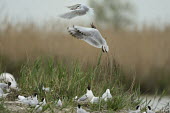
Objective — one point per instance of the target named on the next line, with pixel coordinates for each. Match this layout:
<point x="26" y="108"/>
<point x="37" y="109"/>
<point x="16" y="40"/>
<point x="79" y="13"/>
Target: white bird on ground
<point x="2" y="94"/>
<point x="95" y="100"/>
<point x="39" y="107"/>
<point x="59" y="103"/>
<point x="47" y="89"/>
<point x="107" y="95"/>
<point x="5" y="86"/>
<point x="149" y="110"/>
<point x="88" y="96"/>
<point x="34" y="100"/>
<point x="77" y="10"/>
<point x="135" y="111"/>
<point x="21" y="97"/>
<point x="90" y="35"/>
<point x="80" y="109"/>
<point x="7" y="77"/>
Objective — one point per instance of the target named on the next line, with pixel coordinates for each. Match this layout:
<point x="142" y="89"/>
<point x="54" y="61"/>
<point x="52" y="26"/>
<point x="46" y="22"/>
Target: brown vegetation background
<point x="144" y="54"/>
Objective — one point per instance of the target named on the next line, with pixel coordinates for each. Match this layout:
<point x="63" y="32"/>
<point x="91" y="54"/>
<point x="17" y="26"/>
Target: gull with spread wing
<point x="90" y="35"/>
<point x="77" y="10"/>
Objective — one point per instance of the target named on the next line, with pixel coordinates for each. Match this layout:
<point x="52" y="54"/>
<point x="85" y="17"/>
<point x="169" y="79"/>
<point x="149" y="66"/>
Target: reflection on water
<point x="157" y="103"/>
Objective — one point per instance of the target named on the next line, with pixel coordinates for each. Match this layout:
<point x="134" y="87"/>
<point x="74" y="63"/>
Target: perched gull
<point x="39" y="107"/>
<point x="88" y="96"/>
<point x="77" y="10"/>
<point x="149" y="110"/>
<point x="59" y="103"/>
<point x="81" y="110"/>
<point x="107" y="95"/>
<point x="2" y="94"/>
<point x="47" y="89"/>
<point x="136" y="111"/>
<point x="90" y="35"/>
<point x="5" y="86"/>
<point x="95" y="100"/>
<point x="20" y="98"/>
<point x="7" y="77"/>
<point x="34" y="100"/>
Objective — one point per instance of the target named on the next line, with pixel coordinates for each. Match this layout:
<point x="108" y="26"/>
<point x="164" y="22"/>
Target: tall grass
<point x="68" y="81"/>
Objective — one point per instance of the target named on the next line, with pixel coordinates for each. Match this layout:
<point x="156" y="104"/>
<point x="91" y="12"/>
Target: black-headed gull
<point x="47" y="89"/>
<point x="135" y="111"/>
<point x="59" y="103"/>
<point x="107" y="95"/>
<point x="149" y="110"/>
<point x="7" y="77"/>
<point x="80" y="109"/>
<point x="77" y="10"/>
<point x="39" y="107"/>
<point x="90" y="35"/>
<point x="88" y="96"/>
<point x="34" y="100"/>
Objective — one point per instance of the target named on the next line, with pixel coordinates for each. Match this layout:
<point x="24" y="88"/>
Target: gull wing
<point x="86" y="34"/>
<point x="74" y="7"/>
<point x="83" y="98"/>
<point x="104" y="95"/>
<point x="74" y="13"/>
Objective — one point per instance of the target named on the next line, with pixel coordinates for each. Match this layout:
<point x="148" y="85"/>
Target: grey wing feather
<point x="92" y="42"/>
<point x="85" y="34"/>
<point x="73" y="7"/>
<point x="73" y="14"/>
<point x="83" y="98"/>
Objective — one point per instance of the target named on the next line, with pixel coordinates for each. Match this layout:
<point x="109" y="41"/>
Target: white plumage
<point x="39" y="107"/>
<point x="2" y="94"/>
<point x="81" y="110"/>
<point x="90" y="35"/>
<point x="77" y="10"/>
<point x="149" y="110"/>
<point x="135" y="111"/>
<point x="95" y="100"/>
<point x="88" y="96"/>
<point x="107" y="95"/>
<point x="59" y="103"/>
<point x="7" y="77"/>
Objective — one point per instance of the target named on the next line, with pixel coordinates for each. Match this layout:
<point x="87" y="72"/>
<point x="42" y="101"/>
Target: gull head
<point x="9" y="84"/>
<point x="105" y="48"/>
<point x="88" y="87"/>
<point x="35" y="95"/>
<point x="138" y="107"/>
<point x="79" y="106"/>
<point x="148" y="108"/>
<point x="43" y="99"/>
